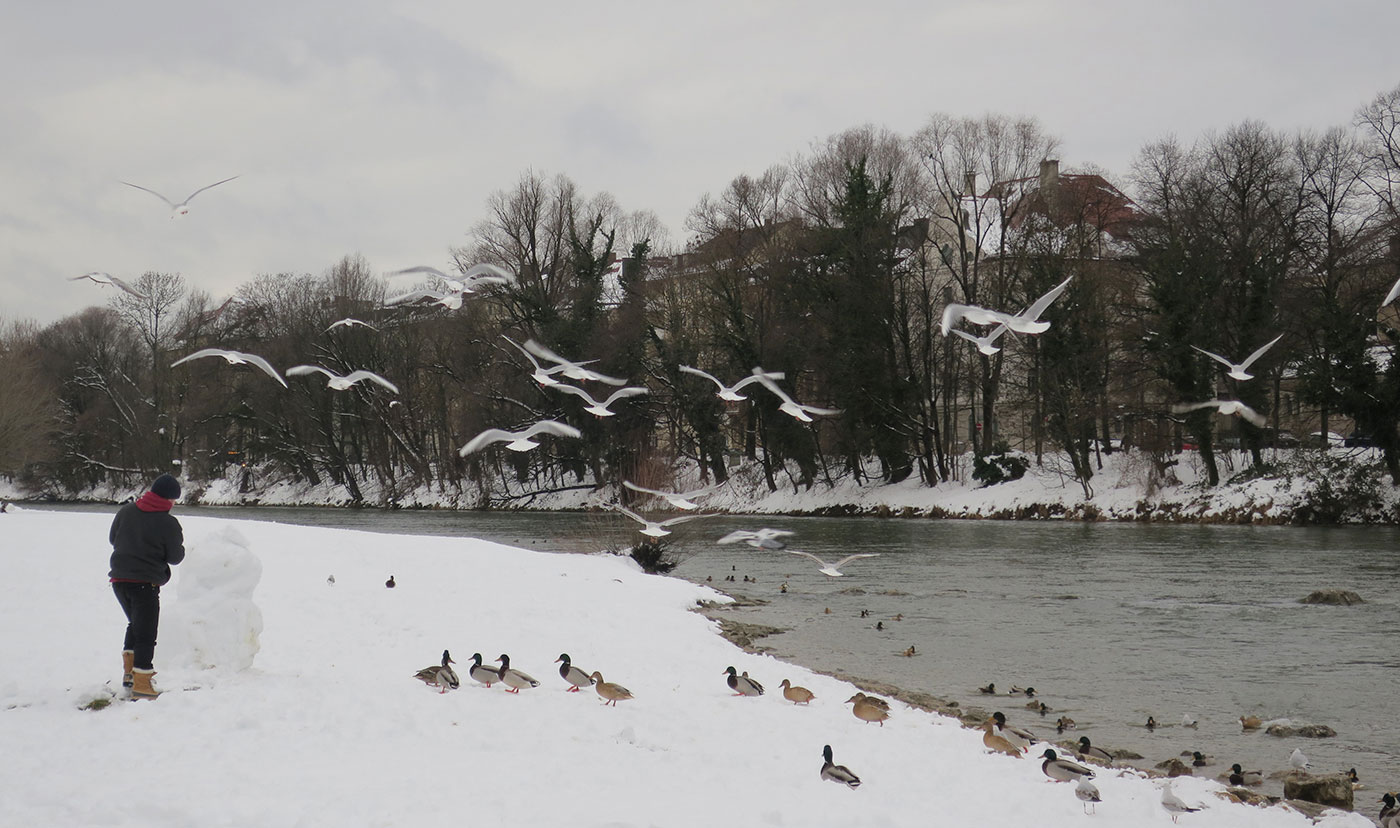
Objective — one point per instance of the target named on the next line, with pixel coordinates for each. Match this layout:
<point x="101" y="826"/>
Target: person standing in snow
<point x="146" y="541"/>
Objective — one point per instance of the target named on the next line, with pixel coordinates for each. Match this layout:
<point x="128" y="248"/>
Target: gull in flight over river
<point x="183" y="207"/>
<point x="833" y="569"/>
<point x="762" y="539"/>
<point x="234" y="358"/>
<point x="681" y="500"/>
<point x="338" y="382"/>
<point x="1238" y="369"/>
<point x="731" y="392"/>
<point x="519" y="440"/>
<point x="650" y="528"/>
<point x="1026" y="322"/>
<point x="572" y="370"/>
<point x="108" y="279"/>
<point x="1224" y="407"/>
<point x="601" y="408"/>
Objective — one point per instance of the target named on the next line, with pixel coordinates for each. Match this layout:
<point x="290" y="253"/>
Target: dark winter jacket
<point x="145" y="545"/>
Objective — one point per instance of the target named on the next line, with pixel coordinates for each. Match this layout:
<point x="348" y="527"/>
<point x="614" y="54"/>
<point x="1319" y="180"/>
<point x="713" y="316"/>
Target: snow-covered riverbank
<point x="328" y="727"/>
<point x="1299" y="486"/>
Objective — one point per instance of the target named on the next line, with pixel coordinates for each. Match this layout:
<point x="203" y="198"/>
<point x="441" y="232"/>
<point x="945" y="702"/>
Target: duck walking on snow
<point x="577" y="678"/>
<point x="869" y="709"/>
<point x="440" y="676"/>
<point x="611" y="693"/>
<point x="795" y="694"/>
<point x="743" y="685"/>
<point x="837" y="773"/>
<point x="513" y="679"/>
<point x="480" y="673"/>
<point x="1063" y="770"/>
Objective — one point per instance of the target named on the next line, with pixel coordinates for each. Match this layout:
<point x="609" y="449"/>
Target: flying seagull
<point x="234" y="358"/>
<point x="1238" y="369"/>
<point x="474" y="277"/>
<point x="653" y="529"/>
<point x="1224" y="407"/>
<point x="833" y="569"/>
<point x="731" y="392"/>
<point x="570" y="369"/>
<point x="601" y="408"/>
<point x="762" y="539"/>
<point x="338" y="382"/>
<point x="542" y="375"/>
<point x="985" y="344"/>
<point x="681" y="500"/>
<point x="519" y="440"/>
<point x="349" y="322"/>
<point x="108" y="279"/>
<point x="1026" y="322"/>
<point x="448" y="299"/>
<point x="791" y="407"/>
<point x="183" y="207"/>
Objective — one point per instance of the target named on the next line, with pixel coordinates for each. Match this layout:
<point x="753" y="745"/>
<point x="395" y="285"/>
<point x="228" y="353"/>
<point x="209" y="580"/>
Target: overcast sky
<point x="357" y="129"/>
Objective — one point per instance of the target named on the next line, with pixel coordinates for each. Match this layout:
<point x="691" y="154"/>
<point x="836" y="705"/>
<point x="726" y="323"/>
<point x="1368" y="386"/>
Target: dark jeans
<point x="141" y="603"/>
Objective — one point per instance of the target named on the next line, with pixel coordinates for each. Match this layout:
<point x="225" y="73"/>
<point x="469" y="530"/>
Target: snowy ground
<point x="326" y="725"/>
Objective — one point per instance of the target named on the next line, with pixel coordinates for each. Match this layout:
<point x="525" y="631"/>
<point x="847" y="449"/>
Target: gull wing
<point x="808" y="555"/>
<point x="95" y="276"/>
<point x="202" y="189"/>
<point x="773" y="386"/>
<point x="356" y="376"/>
<point x="624" y="393"/>
<point x="983" y="343"/>
<point x="254" y="359"/>
<point x="753" y="377"/>
<point x="349" y="322"/>
<point x="431" y="271"/>
<point x="825" y="412"/>
<point x="204" y="352"/>
<point x="1391" y="296"/>
<point x="737" y="535"/>
<point x="1250" y="359"/>
<point x="683" y="518"/>
<point x="414" y="296"/>
<point x="128" y="288"/>
<point x="485" y="438"/>
<point x="302" y="370"/>
<point x="686" y="369"/>
<point x="576" y="391"/>
<point x="1186" y="408"/>
<point x="172" y="204"/>
<point x="1249" y="414"/>
<point x="486" y="270"/>
<point x="634" y="487"/>
<point x="1222" y="360"/>
<point x="850" y="558"/>
<point x="1038" y="307"/>
<point x="618" y="507"/>
<point x="553" y="427"/>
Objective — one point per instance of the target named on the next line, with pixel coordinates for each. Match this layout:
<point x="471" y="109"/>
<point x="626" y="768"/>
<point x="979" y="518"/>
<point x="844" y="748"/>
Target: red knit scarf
<point x="152" y="502"/>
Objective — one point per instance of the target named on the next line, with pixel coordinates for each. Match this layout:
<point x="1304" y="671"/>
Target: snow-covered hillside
<point x="296" y="705"/>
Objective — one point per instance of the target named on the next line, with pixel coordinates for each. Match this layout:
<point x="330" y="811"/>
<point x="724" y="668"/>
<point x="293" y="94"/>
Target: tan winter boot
<point x="128" y="659"/>
<point x="141" y="684"/>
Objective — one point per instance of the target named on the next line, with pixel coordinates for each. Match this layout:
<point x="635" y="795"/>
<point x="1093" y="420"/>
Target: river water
<point x="1111" y="623"/>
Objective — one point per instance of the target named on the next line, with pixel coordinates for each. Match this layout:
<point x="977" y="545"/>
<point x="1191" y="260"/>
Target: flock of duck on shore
<point x="997" y="735"/>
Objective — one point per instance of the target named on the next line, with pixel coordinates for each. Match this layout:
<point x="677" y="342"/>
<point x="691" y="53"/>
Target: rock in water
<point x="213" y="622"/>
<point x="1337" y="597"/>
<point x="1332" y="790"/>
<point x="1312" y="731"/>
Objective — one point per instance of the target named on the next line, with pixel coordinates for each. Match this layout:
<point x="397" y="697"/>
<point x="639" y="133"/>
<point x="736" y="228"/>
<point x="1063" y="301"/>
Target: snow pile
<point x="213" y="622"/>
<point x="331" y="729"/>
